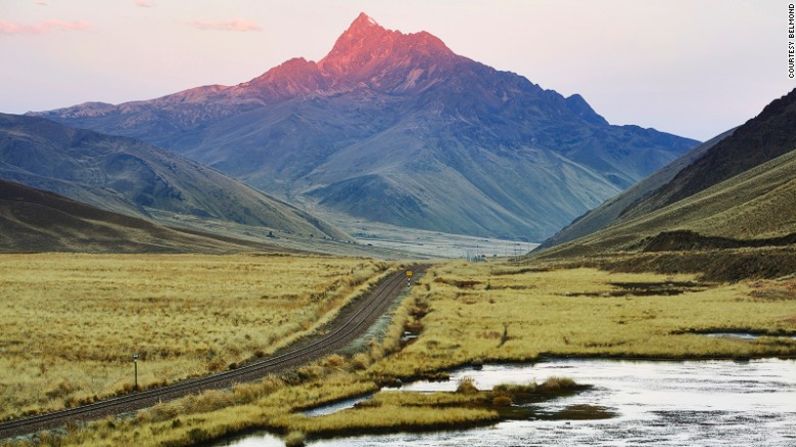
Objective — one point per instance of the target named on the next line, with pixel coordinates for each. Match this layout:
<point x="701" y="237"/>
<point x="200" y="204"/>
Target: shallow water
<point x="693" y="403"/>
<point x="744" y="335"/>
<point x="335" y="407"/>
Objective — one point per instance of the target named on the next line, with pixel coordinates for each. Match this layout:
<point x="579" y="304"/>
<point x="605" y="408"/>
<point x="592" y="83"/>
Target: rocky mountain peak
<point x="366" y="48"/>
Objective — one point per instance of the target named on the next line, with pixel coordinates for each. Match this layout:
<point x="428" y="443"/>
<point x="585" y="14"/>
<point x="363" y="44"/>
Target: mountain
<point x="397" y="128"/>
<point x="739" y="191"/>
<point x="35" y="220"/>
<point x="616" y="207"/>
<point x="127" y="176"/>
<point x="763" y="138"/>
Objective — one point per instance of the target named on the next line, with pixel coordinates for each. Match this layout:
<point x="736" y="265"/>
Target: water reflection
<point x="694" y="403"/>
<point x="335" y="407"/>
<point x="745" y="335"/>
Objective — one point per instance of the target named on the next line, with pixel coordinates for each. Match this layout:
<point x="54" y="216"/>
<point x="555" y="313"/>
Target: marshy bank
<point x="698" y="403"/>
<point x="481" y="314"/>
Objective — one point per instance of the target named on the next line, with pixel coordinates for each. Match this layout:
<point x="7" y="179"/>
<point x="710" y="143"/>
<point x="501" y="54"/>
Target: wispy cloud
<point x="144" y="3"/>
<point x="226" y="25"/>
<point x="8" y="27"/>
<point x="41" y="2"/>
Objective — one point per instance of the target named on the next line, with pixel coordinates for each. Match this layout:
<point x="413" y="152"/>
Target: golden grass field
<point x="571" y="313"/>
<point x="472" y="313"/>
<point x="70" y="322"/>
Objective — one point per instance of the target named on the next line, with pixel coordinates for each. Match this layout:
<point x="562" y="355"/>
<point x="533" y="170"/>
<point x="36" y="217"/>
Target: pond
<point x="694" y="403"/>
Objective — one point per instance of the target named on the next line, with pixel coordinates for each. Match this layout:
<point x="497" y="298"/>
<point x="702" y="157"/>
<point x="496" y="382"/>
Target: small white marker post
<point x="135" y="366"/>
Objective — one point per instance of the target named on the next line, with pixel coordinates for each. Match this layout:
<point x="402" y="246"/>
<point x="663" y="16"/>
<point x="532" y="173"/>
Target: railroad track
<point x="350" y="324"/>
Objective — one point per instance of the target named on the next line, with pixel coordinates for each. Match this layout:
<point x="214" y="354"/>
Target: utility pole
<point x="135" y="366"/>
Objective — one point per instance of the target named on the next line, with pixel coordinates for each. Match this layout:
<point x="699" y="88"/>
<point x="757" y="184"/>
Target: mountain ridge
<point x="127" y="176"/>
<point x="401" y="117"/>
<point x="737" y="189"/>
<point x="34" y="220"/>
<point x="617" y="207"/>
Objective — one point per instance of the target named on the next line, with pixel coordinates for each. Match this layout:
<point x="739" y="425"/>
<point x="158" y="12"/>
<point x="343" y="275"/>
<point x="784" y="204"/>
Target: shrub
<point x="334" y="361"/>
<point x="510" y="388"/>
<point x="197" y="435"/>
<point x="360" y="360"/>
<point x="376" y="351"/>
<point x="294" y="439"/>
<point x="248" y="392"/>
<point x="466" y="386"/>
<point x="555" y="384"/>
<point x="501" y="400"/>
<point x="210" y="400"/>
<point x="415" y="327"/>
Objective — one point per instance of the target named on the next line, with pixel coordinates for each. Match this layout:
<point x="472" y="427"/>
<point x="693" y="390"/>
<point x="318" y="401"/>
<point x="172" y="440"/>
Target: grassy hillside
<point x="616" y="208"/>
<point x="35" y="220"/>
<point x="128" y="176"/>
<point x="730" y="214"/>
<point x="754" y="205"/>
<point x="763" y="138"/>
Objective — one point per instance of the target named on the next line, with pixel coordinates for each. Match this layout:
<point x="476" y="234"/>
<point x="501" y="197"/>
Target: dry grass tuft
<point x="294" y="439"/>
<point x="466" y="386"/>
<point x="557" y="384"/>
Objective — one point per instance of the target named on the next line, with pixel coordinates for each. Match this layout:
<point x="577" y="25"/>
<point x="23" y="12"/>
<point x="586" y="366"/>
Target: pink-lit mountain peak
<point x="365" y="53"/>
<point x="366" y="45"/>
<point x="364" y="24"/>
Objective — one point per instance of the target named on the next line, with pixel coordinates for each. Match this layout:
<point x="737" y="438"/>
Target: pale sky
<point x="690" y="67"/>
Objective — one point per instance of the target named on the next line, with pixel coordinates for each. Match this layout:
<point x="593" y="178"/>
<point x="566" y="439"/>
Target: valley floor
<point x="72" y="322"/>
<point x="424" y="243"/>
<point x="468" y="314"/>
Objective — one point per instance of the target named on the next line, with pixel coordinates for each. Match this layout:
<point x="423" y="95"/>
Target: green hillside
<point x="131" y="177"/>
<point x="32" y="220"/>
<point x="758" y="204"/>
<point x="730" y="210"/>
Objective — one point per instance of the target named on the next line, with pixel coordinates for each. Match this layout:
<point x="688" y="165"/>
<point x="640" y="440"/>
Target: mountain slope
<point x="756" y="206"/>
<point x="35" y="220"/>
<point x="134" y="178"/>
<point x="615" y="208"/>
<point x="762" y="138"/>
<point x="397" y="128"/>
